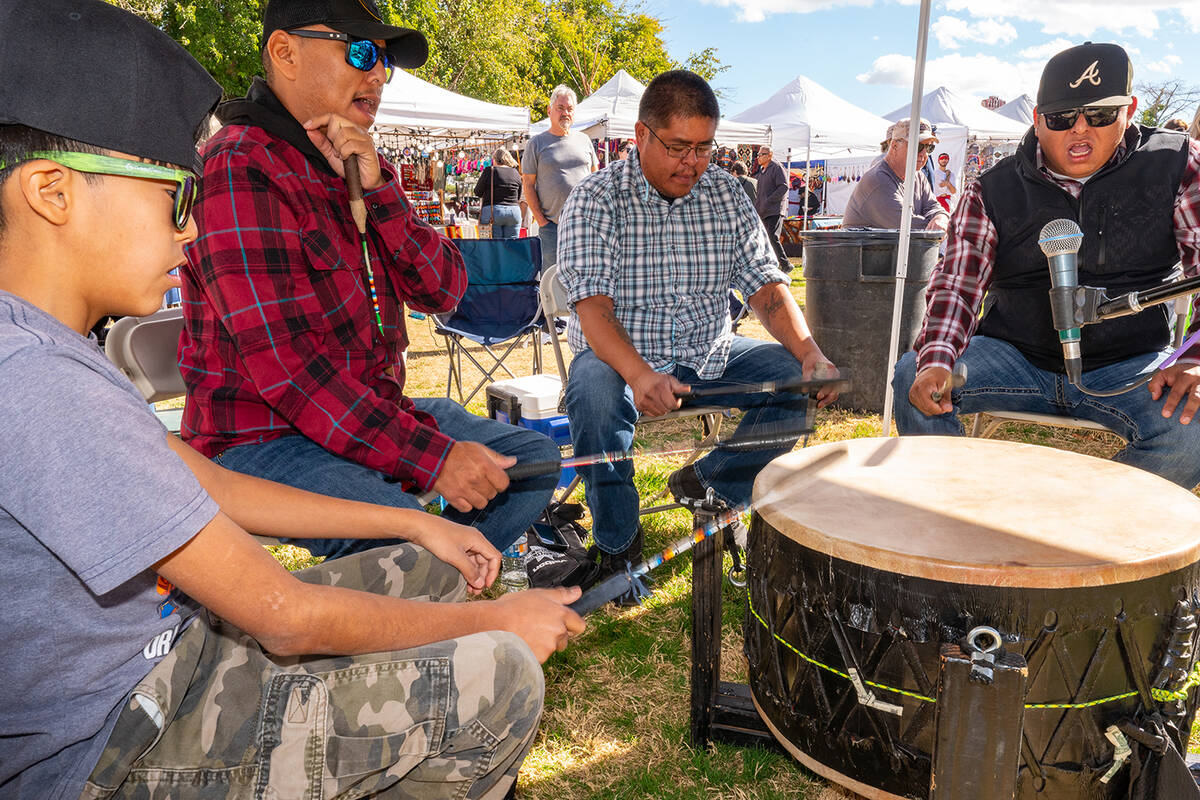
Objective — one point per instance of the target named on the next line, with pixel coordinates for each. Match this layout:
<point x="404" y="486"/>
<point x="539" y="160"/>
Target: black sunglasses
<point x="1097" y="117"/>
<point x="360" y="53"/>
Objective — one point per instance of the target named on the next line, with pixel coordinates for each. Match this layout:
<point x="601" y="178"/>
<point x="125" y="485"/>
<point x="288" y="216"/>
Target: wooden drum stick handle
<point x="358" y="208"/>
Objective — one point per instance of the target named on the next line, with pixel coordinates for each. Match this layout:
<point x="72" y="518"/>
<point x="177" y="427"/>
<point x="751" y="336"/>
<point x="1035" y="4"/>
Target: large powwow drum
<point x="879" y="567"/>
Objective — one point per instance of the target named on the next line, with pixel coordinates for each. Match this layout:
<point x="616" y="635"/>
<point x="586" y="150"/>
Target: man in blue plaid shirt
<point x="648" y="250"/>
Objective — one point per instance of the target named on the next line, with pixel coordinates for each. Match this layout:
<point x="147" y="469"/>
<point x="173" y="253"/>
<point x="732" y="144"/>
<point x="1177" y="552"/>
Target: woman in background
<point x="499" y="187"/>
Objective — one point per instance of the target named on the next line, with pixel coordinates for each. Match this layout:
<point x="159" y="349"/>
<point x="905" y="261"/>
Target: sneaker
<point x="685" y="485"/>
<point x="612" y="563"/>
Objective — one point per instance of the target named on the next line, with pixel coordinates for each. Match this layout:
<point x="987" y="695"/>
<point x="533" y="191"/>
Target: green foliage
<point x="504" y="51"/>
<point x="223" y="35"/>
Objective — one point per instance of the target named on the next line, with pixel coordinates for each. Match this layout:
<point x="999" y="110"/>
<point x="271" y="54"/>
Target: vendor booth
<point x="440" y="141"/>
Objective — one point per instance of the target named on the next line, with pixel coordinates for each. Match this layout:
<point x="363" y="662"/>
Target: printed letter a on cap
<point x="1091" y="74"/>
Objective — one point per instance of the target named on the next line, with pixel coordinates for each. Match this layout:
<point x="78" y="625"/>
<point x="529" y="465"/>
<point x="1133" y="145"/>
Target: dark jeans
<point x="999" y="378"/>
<point x="603" y="417"/>
<point x="300" y="462"/>
<point x="774" y="225"/>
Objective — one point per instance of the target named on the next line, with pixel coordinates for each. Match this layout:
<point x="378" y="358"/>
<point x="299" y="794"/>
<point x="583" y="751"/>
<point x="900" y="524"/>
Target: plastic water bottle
<point x="513" y="577"/>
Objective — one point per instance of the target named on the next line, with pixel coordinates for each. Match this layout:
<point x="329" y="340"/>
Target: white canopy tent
<point x="611" y="111"/>
<point x="1019" y="108"/>
<point x="413" y="107"/>
<point x="945" y="106"/>
<point x="805" y="114"/>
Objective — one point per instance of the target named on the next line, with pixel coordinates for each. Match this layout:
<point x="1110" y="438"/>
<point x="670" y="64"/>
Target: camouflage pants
<point x="452" y="719"/>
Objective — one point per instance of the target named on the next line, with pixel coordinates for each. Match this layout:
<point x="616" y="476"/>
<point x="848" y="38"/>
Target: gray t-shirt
<point x="560" y="163"/>
<point x="876" y="201"/>
<point x="91" y="497"/>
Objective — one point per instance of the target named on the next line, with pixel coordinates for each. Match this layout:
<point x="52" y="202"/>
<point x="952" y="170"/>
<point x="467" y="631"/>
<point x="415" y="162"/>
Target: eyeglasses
<point x="703" y="150"/>
<point x="926" y="147"/>
<point x="185" y="181"/>
<point x="1096" y="116"/>
<point x="360" y="53"/>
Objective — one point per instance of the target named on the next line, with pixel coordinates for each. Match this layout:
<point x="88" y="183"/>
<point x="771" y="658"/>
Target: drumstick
<point x="358" y="210"/>
<point x="530" y="469"/>
<point x="953" y="381"/>
<point x="839" y="382"/>
<point x="631" y="579"/>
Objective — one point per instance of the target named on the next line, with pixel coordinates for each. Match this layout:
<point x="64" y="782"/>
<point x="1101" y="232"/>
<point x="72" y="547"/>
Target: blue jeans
<point x="300" y="462"/>
<point x="602" y="416"/>
<point x="999" y="378"/>
<point x="505" y="219"/>
<point x="548" y="234"/>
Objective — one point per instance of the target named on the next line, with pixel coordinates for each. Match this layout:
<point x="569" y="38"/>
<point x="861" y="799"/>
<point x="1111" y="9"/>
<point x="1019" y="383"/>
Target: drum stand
<point x="721" y="711"/>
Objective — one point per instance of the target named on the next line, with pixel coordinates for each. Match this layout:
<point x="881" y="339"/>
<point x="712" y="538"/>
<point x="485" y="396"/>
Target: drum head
<point x="980" y="511"/>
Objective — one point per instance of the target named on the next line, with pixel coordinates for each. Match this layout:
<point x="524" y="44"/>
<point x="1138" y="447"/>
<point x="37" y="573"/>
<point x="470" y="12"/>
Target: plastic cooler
<point x="532" y="403"/>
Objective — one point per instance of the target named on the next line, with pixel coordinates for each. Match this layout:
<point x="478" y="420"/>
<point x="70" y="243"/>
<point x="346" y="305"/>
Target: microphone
<point x="1060" y="240"/>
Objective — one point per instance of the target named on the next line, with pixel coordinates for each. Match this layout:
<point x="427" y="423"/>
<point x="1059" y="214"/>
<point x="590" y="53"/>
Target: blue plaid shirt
<point x="668" y="265"/>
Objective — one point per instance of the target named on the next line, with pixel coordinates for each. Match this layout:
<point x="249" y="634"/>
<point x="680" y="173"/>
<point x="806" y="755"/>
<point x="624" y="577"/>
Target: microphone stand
<point x="1092" y="305"/>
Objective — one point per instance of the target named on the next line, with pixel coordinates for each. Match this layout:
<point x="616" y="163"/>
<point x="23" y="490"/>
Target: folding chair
<point x="145" y="349"/>
<point x="554" y="305"/>
<point x="500" y="307"/>
<point x="986" y="423"/>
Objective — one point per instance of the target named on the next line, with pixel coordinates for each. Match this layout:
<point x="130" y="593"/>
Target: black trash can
<point x="850" y="287"/>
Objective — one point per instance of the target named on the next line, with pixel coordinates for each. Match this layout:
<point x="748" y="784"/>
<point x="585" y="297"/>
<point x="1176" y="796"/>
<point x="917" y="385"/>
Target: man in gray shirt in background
<point x="771" y="202"/>
<point x="553" y="163"/>
<point x="876" y="201"/>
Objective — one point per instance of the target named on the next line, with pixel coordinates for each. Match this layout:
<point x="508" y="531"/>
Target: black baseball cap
<point x="405" y="47"/>
<point x="88" y="71"/>
<point x="1086" y="75"/>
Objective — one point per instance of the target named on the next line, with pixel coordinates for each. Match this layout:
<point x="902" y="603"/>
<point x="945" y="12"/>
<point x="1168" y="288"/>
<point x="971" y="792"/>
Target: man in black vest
<point x="1135" y="193"/>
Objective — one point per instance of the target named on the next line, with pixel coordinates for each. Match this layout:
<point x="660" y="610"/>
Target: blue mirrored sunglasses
<point x="360" y="53"/>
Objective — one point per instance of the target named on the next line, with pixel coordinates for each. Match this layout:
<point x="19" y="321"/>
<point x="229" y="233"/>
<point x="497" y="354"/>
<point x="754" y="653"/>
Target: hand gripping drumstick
<point x="954" y="381"/>
<point x="531" y="469"/>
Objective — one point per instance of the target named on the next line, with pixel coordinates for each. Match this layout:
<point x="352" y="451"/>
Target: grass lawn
<point x="617" y="701"/>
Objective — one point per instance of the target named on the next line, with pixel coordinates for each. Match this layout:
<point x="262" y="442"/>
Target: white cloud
<point x="758" y="10"/>
<point x="1042" y="52"/>
<point x="890" y="70"/>
<point x="1078" y="19"/>
<point x="951" y="32"/>
<point x="975" y="75"/>
<point x="1165" y="65"/>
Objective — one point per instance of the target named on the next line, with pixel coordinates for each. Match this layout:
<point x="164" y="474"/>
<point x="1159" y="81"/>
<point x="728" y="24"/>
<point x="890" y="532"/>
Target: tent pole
<point x="804" y="188"/>
<point x="910" y="180"/>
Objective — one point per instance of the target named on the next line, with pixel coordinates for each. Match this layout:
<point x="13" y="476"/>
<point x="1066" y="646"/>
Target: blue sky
<point x="863" y="50"/>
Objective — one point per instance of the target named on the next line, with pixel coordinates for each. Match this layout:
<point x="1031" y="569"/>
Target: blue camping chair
<point x="500" y="307"/>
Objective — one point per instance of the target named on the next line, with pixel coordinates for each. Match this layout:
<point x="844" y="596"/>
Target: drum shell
<point x="895" y="625"/>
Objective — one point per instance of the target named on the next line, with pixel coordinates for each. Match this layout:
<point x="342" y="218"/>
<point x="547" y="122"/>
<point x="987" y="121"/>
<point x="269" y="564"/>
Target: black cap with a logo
<point x="405" y="47"/>
<point x="91" y="72"/>
<point x="1086" y="75"/>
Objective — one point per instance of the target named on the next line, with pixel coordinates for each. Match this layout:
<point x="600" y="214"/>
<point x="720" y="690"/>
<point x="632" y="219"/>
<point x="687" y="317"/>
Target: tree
<point x="223" y="35"/>
<point x="504" y="51"/>
<point x="1158" y="103"/>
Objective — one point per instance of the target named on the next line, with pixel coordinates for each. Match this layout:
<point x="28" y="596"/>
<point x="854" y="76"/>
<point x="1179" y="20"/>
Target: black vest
<point x="1126" y="214"/>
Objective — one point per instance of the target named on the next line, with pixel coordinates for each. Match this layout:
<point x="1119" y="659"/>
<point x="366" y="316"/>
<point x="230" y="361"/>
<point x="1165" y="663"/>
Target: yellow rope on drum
<point x="1160" y="695"/>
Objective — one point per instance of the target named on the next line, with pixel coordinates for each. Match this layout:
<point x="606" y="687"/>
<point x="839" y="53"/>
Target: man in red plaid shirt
<point x="294" y="372"/>
<point x="1135" y="192"/>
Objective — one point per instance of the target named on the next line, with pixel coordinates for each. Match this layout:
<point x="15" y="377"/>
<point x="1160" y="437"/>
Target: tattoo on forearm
<point x="773" y="306"/>
<point x="609" y="316"/>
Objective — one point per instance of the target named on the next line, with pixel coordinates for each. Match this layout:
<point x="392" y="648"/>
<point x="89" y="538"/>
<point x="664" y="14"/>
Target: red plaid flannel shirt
<point x="957" y="287"/>
<point x="280" y="336"/>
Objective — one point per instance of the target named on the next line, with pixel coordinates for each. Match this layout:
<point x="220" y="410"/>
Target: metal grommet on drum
<point x="1064" y="586"/>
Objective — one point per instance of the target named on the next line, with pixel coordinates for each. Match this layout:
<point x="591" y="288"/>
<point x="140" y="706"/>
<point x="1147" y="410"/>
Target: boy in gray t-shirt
<point x="148" y="639"/>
